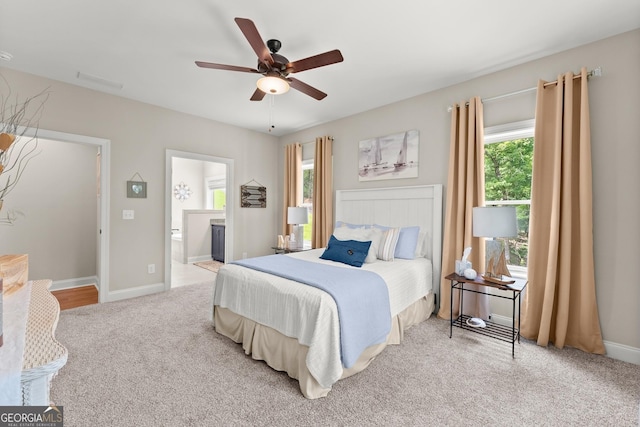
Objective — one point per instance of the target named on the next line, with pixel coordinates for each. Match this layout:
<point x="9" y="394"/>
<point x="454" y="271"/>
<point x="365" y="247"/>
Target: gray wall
<point x="140" y="134"/>
<point x="614" y="107"/>
<point x="56" y="201"/>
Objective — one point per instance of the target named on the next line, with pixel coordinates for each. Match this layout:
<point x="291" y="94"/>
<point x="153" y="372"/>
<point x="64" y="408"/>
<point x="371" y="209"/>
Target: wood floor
<point x="181" y="275"/>
<point x="76" y="297"/>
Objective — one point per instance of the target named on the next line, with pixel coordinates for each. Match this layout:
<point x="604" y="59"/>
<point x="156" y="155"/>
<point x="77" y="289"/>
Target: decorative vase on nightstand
<point x="470" y="273"/>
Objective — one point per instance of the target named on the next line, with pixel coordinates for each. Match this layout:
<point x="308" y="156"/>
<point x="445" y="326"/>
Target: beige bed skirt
<point x="283" y="353"/>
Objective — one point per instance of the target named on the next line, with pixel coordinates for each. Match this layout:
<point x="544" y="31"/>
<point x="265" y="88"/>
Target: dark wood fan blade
<point x="306" y="89"/>
<point x="226" y="67"/>
<point x="258" y="95"/>
<point x="252" y="35"/>
<point x="316" y="61"/>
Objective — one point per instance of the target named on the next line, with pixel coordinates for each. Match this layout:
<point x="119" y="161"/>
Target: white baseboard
<point x="78" y="282"/>
<point x="135" y="292"/>
<point x="113" y="295"/>
<point x="614" y="350"/>
<point x="622" y="352"/>
<point x="501" y="320"/>
<point x="198" y="258"/>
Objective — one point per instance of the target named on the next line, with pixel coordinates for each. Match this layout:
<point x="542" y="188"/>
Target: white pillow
<point x="347" y="224"/>
<point x="421" y="247"/>
<point x="376" y="240"/>
<point x="361" y="235"/>
<point x="407" y="241"/>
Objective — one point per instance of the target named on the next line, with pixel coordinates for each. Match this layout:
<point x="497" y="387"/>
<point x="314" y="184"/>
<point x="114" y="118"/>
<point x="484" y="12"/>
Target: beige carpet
<point x="210" y="265"/>
<point x="156" y="361"/>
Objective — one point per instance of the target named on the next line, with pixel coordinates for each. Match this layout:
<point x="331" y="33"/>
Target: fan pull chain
<point x="271" y="103"/>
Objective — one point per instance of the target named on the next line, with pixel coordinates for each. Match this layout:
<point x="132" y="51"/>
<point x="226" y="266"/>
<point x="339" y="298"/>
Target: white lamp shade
<point x="299" y="215"/>
<point x="494" y="221"/>
<point x="273" y="85"/>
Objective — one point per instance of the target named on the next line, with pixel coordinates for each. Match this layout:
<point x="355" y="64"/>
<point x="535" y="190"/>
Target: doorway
<point x="203" y="183"/>
<point x="93" y="157"/>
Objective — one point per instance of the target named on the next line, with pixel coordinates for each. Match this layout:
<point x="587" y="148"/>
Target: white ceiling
<point x="392" y="50"/>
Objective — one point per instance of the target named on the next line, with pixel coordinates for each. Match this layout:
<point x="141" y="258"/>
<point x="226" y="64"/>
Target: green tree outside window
<point x="507" y="171"/>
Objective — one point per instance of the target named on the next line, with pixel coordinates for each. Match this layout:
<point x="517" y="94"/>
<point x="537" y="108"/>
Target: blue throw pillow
<point x="349" y="252"/>
<point x="407" y="242"/>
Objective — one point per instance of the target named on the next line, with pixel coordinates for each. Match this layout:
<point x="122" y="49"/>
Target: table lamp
<point x="495" y="222"/>
<point x="297" y="216"/>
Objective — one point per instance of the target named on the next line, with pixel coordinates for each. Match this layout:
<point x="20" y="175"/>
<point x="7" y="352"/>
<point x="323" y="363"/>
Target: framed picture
<point x="137" y="189"/>
<point x="253" y="196"/>
<point x="389" y="157"/>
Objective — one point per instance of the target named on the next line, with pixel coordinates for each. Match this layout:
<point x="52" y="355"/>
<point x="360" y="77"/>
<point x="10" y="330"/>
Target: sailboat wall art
<point x="389" y="157"/>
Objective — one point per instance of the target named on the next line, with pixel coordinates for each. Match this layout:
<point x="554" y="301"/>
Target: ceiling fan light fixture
<point x="273" y="85"/>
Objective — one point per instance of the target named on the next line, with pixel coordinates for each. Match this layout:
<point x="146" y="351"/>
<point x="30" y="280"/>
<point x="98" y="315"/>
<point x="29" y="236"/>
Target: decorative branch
<point x="18" y="121"/>
<point x="11" y="216"/>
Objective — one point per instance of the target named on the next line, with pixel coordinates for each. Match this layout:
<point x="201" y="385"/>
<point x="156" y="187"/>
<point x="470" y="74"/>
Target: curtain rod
<point x="312" y="142"/>
<point x="596" y="72"/>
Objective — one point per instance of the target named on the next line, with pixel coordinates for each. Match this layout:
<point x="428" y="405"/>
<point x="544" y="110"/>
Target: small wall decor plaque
<point x="253" y="196"/>
<point x="137" y="189"/>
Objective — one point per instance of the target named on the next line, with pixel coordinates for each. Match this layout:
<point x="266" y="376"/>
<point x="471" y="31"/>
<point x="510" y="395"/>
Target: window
<point x="219" y="199"/>
<point x="508" y="161"/>
<point x="307" y="197"/>
<point x="216" y="195"/>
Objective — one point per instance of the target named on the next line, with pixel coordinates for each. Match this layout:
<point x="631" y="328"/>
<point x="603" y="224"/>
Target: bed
<point x="296" y="328"/>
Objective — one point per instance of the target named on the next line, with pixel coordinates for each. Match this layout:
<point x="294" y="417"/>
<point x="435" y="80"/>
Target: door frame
<point x="168" y="198"/>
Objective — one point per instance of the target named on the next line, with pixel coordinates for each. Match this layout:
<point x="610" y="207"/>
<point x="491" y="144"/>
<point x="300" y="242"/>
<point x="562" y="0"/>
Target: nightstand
<point x="494" y="330"/>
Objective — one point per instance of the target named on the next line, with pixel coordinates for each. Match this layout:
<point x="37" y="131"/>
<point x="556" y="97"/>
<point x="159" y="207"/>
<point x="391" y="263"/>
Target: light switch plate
<point x="127" y="214"/>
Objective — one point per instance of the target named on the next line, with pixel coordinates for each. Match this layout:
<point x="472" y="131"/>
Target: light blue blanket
<point x="361" y="296"/>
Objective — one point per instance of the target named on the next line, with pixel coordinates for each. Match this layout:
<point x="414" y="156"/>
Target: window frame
<point x="308" y="164"/>
<point x="211" y="184"/>
<point x="502" y="133"/>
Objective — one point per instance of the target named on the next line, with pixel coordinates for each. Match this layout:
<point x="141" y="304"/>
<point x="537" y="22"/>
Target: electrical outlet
<point x="127" y="214"/>
<point x="151" y="268"/>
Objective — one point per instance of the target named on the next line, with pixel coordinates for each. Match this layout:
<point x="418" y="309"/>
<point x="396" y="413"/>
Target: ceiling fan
<point x="274" y="67"/>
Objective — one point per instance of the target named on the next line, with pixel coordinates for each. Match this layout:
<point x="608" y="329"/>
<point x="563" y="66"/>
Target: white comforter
<point x="309" y="314"/>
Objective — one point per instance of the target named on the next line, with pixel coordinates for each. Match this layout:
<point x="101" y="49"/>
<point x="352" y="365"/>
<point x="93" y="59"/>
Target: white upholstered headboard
<point x="399" y="207"/>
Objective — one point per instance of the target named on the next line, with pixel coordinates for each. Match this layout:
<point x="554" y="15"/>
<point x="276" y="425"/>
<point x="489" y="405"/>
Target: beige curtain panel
<point x="559" y="305"/>
<point x="322" y="225"/>
<point x="292" y="182"/>
<point x="465" y="189"/>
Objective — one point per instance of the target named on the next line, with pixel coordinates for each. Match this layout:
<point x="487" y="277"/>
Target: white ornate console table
<point x="43" y="355"/>
<point x="30" y="356"/>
